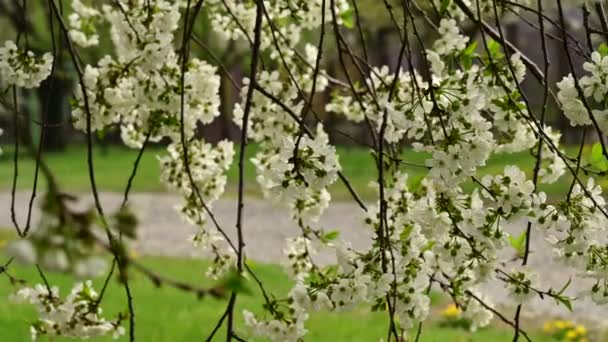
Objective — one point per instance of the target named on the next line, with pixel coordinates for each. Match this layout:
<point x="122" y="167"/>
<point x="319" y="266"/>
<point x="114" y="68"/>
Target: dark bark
<point x="57" y="111"/>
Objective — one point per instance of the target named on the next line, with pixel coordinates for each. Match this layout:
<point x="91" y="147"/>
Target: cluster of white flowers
<point x="23" y="68"/>
<point x="511" y="191"/>
<point x="275" y="330"/>
<point x="205" y="176"/>
<point x="207" y="165"/>
<point x="486" y="7"/>
<point x="302" y="166"/>
<point x="553" y="167"/>
<point x="298" y="251"/>
<point x="478" y="314"/>
<point x="522" y="283"/>
<point x="78" y="315"/>
<point x="235" y="20"/>
<point x="450" y="38"/>
<point x="82" y="25"/>
<point x="594" y="87"/>
<point x="576" y="229"/>
<point x="150" y="95"/>
<point x="141" y="88"/>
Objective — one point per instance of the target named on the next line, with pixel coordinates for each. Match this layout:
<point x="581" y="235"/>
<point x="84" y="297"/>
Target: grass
<point x="112" y="170"/>
<point x="166" y="314"/>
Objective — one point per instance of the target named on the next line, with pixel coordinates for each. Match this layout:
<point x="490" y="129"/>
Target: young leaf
<point x="348" y="18"/>
<point x="603" y="49"/>
<point x="330" y="236"/>
<point x="444" y="6"/>
<point x="495" y="49"/>
<point x="596" y="153"/>
<point x="470" y="50"/>
<point x="235" y="282"/>
<point x="565" y="301"/>
<point x="519" y="243"/>
<point x="597" y="158"/>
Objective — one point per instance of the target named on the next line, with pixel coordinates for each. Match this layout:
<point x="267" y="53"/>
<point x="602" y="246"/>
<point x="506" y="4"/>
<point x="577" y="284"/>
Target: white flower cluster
<point x="486" y="7"/>
<point x="23" y="68"/>
<point x="576" y="230"/>
<point x="78" y="315"/>
<point x="522" y="283"/>
<point x="450" y="38"/>
<point x="82" y="25"/>
<point x="235" y="20"/>
<point x="142" y="89"/>
<point x="479" y="315"/>
<point x="207" y="165"/>
<point x="275" y="330"/>
<point x="301" y="166"/>
<point x="594" y="87"/>
<point x="299" y="251"/>
<point x="461" y="117"/>
<point x="150" y="95"/>
<point x="553" y="167"/>
<point x="452" y="111"/>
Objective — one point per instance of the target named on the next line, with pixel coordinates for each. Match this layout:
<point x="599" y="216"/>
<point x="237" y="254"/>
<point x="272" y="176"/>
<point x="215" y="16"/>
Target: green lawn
<point x="165" y="314"/>
<point x="112" y="170"/>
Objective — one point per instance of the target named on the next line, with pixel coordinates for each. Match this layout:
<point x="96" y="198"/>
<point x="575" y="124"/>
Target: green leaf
<point x="495" y="49"/>
<point x="565" y="286"/>
<point x="565" y="301"/>
<point x="470" y="50"/>
<point x="519" y="243"/>
<point x="330" y="236"/>
<point x="596" y="153"/>
<point x="467" y="55"/>
<point x="603" y="49"/>
<point x="236" y="283"/>
<point x="348" y="18"/>
<point x="597" y="158"/>
<point x="467" y="61"/>
<point x="444" y="6"/>
<point x="330" y="271"/>
<point x="429" y="245"/>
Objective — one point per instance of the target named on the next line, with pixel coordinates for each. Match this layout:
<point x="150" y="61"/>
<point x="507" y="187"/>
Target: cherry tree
<point x="461" y="103"/>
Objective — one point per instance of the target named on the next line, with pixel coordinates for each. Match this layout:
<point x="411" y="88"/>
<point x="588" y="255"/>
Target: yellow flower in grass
<point x="562" y="325"/>
<point x="451" y="312"/>
<point x="581" y="330"/>
<point x="548" y="327"/>
<point x="133" y="254"/>
<point x="571" y="335"/>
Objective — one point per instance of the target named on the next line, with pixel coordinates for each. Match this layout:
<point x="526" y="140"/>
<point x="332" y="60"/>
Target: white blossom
<point x="78" y="315"/>
<point x="23" y="68"/>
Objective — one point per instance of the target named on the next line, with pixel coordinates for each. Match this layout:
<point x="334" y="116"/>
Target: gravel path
<point x="162" y="232"/>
